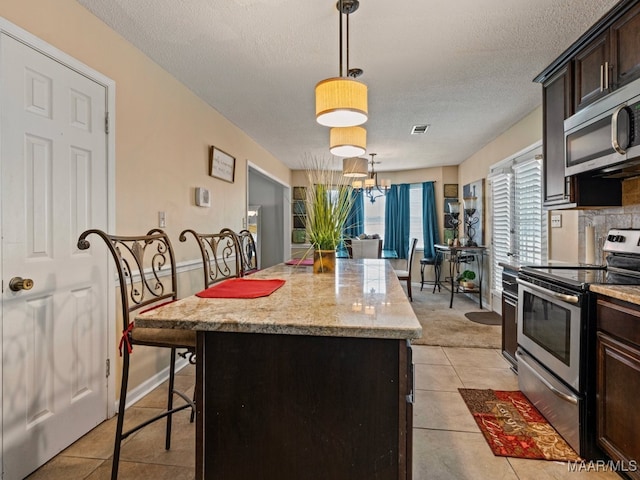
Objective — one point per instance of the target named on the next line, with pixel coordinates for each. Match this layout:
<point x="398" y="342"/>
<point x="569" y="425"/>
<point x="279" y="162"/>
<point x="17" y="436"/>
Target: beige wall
<point x="563" y="241"/>
<point x="162" y="131"/>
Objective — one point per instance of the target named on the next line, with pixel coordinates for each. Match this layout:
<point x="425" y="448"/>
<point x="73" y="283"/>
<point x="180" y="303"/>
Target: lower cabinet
<point x="276" y="406"/>
<point x="618" y="383"/>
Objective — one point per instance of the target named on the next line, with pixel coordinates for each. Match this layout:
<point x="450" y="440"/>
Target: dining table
<point x="312" y="380"/>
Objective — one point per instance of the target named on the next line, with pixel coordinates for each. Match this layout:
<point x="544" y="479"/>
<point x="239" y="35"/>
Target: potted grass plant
<point x="328" y="202"/>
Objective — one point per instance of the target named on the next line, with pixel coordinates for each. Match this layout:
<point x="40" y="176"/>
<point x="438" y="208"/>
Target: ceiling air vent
<point x="419" y="129"/>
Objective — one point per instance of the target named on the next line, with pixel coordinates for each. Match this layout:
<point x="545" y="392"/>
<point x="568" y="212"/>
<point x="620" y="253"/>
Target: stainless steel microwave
<point x="605" y="136"/>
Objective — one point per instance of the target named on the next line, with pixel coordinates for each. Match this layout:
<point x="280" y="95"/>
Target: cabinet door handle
<point x="606" y="75"/>
<point x="601" y="77"/>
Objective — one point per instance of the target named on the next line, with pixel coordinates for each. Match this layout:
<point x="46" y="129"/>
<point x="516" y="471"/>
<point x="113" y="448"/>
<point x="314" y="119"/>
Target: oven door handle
<point x="560" y="296"/>
<point x="554" y="390"/>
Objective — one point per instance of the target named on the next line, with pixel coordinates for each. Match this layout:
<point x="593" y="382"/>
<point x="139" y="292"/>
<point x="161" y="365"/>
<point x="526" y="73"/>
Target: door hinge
<point x="106" y="123"/>
<point x="108" y="368"/>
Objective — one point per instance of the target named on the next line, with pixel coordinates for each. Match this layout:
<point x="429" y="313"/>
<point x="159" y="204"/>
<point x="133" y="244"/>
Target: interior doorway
<point x="273" y="199"/>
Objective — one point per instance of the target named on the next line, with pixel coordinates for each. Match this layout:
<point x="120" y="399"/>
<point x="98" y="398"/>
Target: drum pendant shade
<point x="347" y="141"/>
<point x="341" y="102"/>
<point x="355" y="167"/>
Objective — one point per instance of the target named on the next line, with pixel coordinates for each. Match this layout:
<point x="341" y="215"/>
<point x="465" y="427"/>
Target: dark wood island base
<point x="276" y="406"/>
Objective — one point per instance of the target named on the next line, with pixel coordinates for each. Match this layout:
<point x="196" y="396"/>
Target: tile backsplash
<point x="603" y="220"/>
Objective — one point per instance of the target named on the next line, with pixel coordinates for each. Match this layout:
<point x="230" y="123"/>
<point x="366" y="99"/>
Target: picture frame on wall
<point x="450" y="190"/>
<point x="221" y="165"/>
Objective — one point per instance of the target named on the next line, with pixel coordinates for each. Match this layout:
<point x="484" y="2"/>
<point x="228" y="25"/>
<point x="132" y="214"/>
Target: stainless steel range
<point x="557" y="333"/>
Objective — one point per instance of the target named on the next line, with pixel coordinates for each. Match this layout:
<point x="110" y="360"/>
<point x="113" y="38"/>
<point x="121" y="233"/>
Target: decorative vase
<point x="324" y="261"/>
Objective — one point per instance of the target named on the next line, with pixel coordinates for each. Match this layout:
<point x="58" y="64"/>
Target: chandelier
<point x="341" y="102"/>
<point x="353" y="167"/>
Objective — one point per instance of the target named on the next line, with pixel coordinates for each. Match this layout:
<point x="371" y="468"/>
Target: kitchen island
<point x="313" y="381"/>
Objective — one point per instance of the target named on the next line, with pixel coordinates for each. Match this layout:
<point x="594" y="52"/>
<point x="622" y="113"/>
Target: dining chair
<point x="220" y="255"/>
<point x="405" y="275"/>
<point x="146" y="271"/>
<point x="367" y="248"/>
<point x="248" y="252"/>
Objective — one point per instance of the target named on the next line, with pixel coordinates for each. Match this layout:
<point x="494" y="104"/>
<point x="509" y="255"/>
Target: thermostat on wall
<point x="202" y="197"/>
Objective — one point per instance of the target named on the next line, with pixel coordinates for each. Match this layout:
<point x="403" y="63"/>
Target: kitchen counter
<point x="514" y="267"/>
<point x="314" y="381"/>
<point x="628" y="293"/>
<point x="362" y="299"/>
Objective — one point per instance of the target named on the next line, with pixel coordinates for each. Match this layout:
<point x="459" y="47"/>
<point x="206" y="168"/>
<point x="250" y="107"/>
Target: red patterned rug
<point x="513" y="427"/>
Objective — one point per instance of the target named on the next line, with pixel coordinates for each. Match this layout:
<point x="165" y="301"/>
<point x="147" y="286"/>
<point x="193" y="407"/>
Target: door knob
<point x="18" y="283"/>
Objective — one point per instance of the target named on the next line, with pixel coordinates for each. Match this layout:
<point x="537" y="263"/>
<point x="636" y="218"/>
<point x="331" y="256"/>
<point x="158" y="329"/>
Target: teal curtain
<point x="354" y="226"/>
<point x="430" y="233"/>
<point x="396" y="220"/>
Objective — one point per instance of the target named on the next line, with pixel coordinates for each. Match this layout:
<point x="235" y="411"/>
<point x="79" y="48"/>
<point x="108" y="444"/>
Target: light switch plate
<point x="556" y="220"/>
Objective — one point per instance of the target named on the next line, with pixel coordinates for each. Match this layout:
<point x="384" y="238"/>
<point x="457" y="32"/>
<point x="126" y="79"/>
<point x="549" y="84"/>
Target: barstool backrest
<point x="220" y="255"/>
<point x="145" y="265"/>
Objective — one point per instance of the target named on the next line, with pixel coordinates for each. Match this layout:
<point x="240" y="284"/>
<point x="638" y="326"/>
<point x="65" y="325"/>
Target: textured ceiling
<point x="465" y="67"/>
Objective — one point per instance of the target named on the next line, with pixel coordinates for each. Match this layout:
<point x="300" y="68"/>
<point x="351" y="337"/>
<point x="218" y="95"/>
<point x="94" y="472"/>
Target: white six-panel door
<point x="54" y="186"/>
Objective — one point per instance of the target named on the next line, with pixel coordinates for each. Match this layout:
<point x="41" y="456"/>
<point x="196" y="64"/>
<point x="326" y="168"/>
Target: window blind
<point x="519" y="223"/>
<point x="502" y="195"/>
<point x="529" y="224"/>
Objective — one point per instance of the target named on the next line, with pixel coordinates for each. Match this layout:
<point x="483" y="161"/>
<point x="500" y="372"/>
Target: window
<point x="518" y="221"/>
<point x="415" y="214"/>
<point x="374" y="216"/>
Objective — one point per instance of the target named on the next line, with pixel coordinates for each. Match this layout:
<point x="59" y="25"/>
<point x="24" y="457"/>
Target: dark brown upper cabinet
<point x="591" y="77"/>
<point x="556" y="107"/>
<point x="625" y="48"/>
<point x="609" y="61"/>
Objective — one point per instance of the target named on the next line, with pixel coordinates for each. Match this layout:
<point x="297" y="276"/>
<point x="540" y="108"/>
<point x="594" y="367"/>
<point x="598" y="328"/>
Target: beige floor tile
<point x="494" y="378"/>
<point x="429" y="355"/>
<point x="66" y="468"/>
<point x="490" y="358"/>
<point x="147" y="446"/>
<point x="142" y="471"/>
<point x="157" y="398"/>
<point x="190" y="369"/>
<point x="436" y="377"/>
<point x="542" y="470"/>
<point x="442" y="411"/>
<point x="98" y="443"/>
<point x="447" y="455"/>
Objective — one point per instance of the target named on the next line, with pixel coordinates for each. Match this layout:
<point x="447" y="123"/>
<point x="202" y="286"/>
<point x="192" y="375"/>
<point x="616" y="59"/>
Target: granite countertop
<point x="515" y="267"/>
<point x="362" y="299"/>
<point x="628" y="293"/>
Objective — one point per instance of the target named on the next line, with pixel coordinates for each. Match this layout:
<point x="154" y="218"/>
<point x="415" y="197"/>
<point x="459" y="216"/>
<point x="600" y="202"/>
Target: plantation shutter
<point x="501" y="192"/>
<point x="529" y="221"/>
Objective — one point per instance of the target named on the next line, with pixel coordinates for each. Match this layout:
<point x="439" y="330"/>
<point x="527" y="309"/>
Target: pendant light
<point x="354" y="167"/>
<point x="342" y="101"/>
<point x="347" y="141"/>
<point x="372" y="188"/>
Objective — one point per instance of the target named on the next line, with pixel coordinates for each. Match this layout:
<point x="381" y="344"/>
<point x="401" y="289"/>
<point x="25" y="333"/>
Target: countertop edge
<point x="627" y="293"/>
<point x="283" y="329"/>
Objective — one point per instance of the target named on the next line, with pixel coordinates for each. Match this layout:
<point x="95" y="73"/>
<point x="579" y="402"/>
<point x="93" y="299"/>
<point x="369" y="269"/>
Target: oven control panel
<point x="623" y="240"/>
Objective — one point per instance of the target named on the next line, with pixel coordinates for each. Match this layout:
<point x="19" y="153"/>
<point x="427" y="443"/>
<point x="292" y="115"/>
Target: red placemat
<point x="242" y="288"/>
<point x="300" y="261"/>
